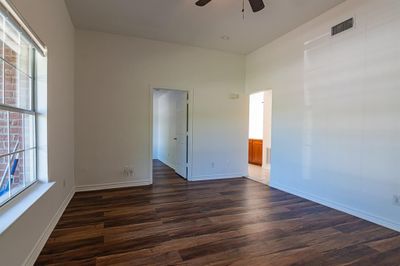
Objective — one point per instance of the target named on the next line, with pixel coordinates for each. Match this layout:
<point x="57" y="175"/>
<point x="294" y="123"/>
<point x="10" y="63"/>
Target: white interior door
<point x="181" y="134"/>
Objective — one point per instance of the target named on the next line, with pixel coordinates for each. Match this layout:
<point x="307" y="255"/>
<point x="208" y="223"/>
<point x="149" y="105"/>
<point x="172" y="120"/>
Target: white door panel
<point x="181" y="134"/>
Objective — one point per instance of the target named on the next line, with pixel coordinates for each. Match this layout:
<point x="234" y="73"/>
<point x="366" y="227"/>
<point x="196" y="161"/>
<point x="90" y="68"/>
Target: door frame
<point x="190" y="92"/>
<point x="248" y="94"/>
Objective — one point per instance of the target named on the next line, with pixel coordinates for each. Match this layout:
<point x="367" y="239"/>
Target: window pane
<point x="22" y="170"/>
<point x="3" y="133"/>
<point x="17" y="87"/>
<point x="17" y="53"/>
<point x="29" y="125"/>
<point x="17" y="50"/>
<point x="10" y="73"/>
<point x="1" y="36"/>
<point x="10" y="85"/>
<point x="10" y="55"/>
<point x="30" y="166"/>
<point x="22" y="132"/>
<point x="17" y="129"/>
<point x="11" y="40"/>
<point x="16" y="132"/>
<point x="1" y="61"/>
<point x="1" y="81"/>
<point x="4" y="180"/>
<point x="24" y="91"/>
<point x="25" y="56"/>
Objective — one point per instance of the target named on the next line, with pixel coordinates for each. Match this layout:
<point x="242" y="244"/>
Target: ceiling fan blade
<point x="202" y="2"/>
<point x="257" y="5"/>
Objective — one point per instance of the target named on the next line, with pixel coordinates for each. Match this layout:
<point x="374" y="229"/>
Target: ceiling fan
<point x="256" y="5"/>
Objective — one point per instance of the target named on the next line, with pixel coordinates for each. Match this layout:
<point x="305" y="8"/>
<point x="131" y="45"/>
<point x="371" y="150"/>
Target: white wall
<point x="114" y="75"/>
<point x="50" y="20"/>
<point x="336" y="111"/>
<point x="256" y="116"/>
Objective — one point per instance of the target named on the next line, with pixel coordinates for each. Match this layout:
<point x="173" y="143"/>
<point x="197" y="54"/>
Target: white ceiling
<point x="181" y="21"/>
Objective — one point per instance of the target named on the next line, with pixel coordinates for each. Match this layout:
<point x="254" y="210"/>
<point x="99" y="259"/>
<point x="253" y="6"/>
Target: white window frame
<point x="9" y="14"/>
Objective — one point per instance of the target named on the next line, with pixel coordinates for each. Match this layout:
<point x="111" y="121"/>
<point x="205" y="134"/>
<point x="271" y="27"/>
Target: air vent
<point x="341" y="27"/>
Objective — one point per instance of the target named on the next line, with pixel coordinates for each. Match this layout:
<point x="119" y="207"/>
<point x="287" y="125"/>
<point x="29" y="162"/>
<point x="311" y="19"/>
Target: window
<point x="17" y="110"/>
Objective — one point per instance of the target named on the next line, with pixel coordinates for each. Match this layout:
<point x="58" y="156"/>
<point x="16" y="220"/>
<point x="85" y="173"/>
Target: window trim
<point x="18" y="151"/>
<point x="29" y="111"/>
<point x="24" y="28"/>
<point x="15" y="195"/>
<point x="18" y="205"/>
<point x="9" y="108"/>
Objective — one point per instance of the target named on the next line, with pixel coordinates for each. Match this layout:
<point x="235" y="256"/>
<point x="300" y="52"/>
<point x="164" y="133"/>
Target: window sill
<point x="14" y="209"/>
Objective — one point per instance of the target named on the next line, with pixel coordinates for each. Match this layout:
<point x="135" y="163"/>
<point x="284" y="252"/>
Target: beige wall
<point x="51" y="21"/>
<point x="112" y="123"/>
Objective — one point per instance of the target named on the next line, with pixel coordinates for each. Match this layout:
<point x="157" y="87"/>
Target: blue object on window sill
<point x="4" y="189"/>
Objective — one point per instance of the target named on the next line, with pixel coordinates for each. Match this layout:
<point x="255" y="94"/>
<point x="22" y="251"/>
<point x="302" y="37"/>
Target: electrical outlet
<point x="396" y="200"/>
<point x="212" y="164"/>
<point x="64" y="183"/>
<point x="128" y="171"/>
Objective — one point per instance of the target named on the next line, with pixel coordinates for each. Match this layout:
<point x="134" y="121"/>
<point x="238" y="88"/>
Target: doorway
<point x="171" y="131"/>
<point x="259" y="143"/>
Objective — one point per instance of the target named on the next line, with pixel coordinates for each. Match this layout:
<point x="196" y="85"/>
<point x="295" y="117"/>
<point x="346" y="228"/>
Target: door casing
<point x="190" y="101"/>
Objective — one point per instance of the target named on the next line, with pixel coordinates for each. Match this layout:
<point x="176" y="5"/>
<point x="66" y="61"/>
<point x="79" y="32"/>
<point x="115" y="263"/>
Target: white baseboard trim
<point x="338" y="206"/>
<point x="94" y="187"/>
<point x="34" y="254"/>
<point x="216" y="177"/>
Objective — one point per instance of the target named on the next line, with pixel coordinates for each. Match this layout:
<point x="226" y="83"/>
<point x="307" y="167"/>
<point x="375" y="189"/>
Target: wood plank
<point x="216" y="222"/>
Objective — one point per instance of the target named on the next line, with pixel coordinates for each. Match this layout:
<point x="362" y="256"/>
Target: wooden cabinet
<point x="255" y="151"/>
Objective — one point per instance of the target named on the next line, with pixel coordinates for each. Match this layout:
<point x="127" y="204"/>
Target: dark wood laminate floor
<point x="227" y="222"/>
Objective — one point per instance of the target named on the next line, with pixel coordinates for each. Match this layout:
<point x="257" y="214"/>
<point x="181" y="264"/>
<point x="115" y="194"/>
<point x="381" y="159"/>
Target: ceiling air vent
<point x="345" y="25"/>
